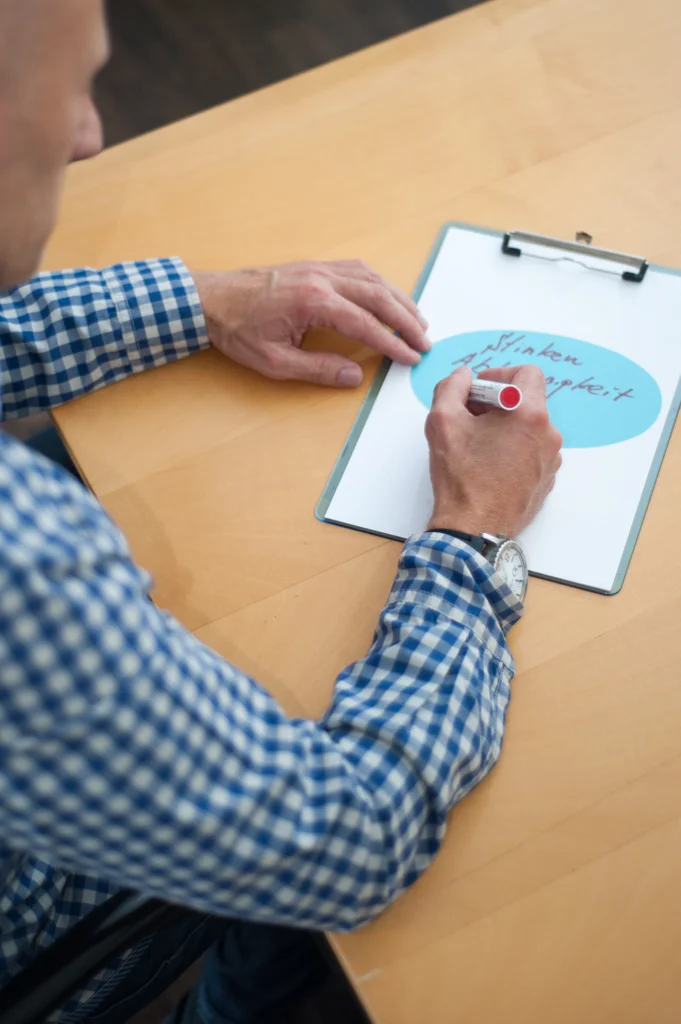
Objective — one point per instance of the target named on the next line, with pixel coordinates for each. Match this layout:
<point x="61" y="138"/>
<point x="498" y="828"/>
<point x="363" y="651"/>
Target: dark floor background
<point x="173" y="58"/>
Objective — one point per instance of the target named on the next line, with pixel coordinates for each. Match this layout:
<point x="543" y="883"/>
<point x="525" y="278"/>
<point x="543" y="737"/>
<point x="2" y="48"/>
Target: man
<point x="134" y="757"/>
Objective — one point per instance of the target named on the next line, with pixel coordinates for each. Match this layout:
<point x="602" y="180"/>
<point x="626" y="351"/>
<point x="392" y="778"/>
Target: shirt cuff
<point x="456" y="557"/>
<point x="159" y="310"/>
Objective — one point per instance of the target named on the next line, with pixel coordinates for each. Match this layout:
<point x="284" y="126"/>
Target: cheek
<point x="51" y="168"/>
<point x="35" y="184"/>
<point x="48" y="150"/>
<point x="39" y="139"/>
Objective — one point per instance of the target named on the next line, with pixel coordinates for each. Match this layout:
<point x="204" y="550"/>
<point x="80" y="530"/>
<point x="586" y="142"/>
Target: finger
<point x="347" y="318"/>
<point x="407" y="302"/>
<point x="556" y="437"/>
<point x="499" y="374"/>
<point x="327" y="368"/>
<point x="532" y="383"/>
<point x="482" y="409"/>
<point x="360" y="271"/>
<point x="453" y="391"/>
<point x="376" y="299"/>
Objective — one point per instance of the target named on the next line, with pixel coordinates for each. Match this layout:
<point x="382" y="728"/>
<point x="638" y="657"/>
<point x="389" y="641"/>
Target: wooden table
<point x="557" y="896"/>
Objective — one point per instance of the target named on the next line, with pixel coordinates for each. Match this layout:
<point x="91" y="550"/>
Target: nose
<point x="90" y="136"/>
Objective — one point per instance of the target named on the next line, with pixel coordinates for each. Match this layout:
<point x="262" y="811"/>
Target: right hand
<point x="491" y="472"/>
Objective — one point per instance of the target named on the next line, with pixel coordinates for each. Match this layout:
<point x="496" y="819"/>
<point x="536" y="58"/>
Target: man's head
<point x="50" y="51"/>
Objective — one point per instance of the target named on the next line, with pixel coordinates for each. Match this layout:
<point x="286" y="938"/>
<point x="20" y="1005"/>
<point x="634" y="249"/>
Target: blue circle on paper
<point x="595" y="396"/>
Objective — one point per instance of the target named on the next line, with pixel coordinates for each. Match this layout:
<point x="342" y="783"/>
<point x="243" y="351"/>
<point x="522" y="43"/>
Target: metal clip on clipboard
<point x="513" y="240"/>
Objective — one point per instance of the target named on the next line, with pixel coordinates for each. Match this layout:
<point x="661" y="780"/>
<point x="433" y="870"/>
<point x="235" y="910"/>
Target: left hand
<point x="259" y="318"/>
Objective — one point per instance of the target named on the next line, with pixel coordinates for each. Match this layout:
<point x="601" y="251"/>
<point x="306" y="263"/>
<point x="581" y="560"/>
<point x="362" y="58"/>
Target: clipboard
<point x="555" y="257"/>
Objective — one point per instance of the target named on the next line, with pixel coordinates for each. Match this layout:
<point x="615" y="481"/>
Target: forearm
<point x="132" y="752"/>
<point x="64" y="334"/>
<point x="421" y="718"/>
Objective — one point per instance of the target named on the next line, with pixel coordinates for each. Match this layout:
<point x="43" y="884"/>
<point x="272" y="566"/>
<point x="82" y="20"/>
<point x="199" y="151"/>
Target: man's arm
<point x="132" y="752"/>
<point x="64" y="334"/>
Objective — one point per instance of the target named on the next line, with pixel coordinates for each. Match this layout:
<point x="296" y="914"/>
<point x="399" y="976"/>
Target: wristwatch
<point x="504" y="554"/>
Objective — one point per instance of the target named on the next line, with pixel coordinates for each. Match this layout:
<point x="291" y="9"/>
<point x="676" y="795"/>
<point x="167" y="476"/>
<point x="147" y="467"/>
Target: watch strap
<point x="476" y="540"/>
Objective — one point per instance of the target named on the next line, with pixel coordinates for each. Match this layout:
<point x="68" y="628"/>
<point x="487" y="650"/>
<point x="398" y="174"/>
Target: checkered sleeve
<point x="66" y="333"/>
<point x="134" y="754"/>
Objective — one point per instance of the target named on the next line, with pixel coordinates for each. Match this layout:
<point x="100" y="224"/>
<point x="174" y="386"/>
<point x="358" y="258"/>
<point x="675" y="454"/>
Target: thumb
<point x="327" y="368"/>
<point x="455" y="389"/>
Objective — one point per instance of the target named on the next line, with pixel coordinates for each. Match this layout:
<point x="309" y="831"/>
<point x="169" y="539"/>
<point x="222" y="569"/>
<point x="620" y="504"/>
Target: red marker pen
<point x="501" y="396"/>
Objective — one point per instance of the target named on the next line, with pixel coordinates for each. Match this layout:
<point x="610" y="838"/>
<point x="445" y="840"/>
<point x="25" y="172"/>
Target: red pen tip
<point x="510" y="397"/>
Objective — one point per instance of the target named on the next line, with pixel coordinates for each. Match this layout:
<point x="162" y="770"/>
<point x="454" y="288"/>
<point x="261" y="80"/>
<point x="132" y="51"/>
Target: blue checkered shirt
<point x="133" y="756"/>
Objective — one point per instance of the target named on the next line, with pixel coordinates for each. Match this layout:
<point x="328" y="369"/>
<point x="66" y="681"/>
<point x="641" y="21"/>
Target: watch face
<point x="511" y="565"/>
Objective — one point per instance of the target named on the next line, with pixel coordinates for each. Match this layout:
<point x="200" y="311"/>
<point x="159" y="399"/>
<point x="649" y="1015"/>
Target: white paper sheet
<point x="582" y="532"/>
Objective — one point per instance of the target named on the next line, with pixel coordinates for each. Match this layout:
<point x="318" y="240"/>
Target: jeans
<point x="49" y="443"/>
<point x="251" y="972"/>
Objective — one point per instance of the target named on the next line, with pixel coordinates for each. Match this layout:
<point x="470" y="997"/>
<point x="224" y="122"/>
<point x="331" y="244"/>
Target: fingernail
<point x="427" y="344"/>
<point x="423" y="322"/>
<point x="349" y="377"/>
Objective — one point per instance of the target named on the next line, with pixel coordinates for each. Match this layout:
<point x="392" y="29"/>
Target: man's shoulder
<point x="44" y="508"/>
